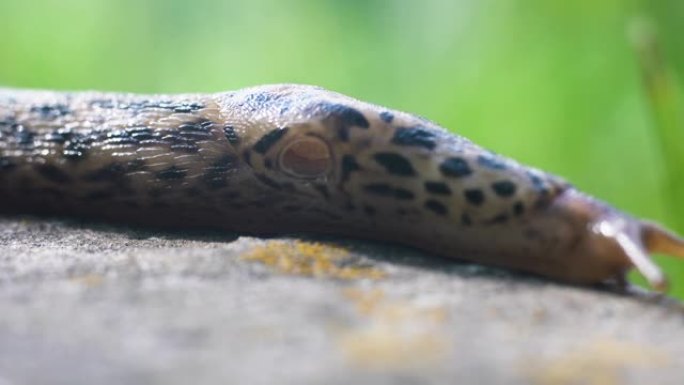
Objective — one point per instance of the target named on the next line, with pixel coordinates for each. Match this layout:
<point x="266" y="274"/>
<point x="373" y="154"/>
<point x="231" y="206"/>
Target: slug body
<point x="292" y="158"/>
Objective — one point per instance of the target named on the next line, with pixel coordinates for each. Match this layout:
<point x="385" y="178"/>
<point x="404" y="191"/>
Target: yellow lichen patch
<point x="394" y="334"/>
<point x="602" y="362"/>
<point x="311" y="259"/>
<point x="90" y="280"/>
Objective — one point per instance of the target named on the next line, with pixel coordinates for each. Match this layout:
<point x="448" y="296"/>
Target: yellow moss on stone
<point x="311" y="259"/>
<point x="600" y="362"/>
<point x="395" y="334"/>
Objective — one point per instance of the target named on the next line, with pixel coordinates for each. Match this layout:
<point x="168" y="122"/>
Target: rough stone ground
<point x="87" y="303"/>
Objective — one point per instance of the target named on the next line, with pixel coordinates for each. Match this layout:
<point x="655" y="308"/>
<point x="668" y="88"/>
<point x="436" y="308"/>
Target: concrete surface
<point x="87" y="303"/>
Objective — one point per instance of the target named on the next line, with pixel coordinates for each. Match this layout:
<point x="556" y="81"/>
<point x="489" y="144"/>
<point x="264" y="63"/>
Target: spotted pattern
<point x="164" y="139"/>
<point x="414" y="136"/>
<point x="267" y="141"/>
<point x="349" y="165"/>
<point x="437" y="188"/>
<point x="474" y="196"/>
<point x="456" y="167"/>
<point x="385" y="190"/>
<point x="343" y="118"/>
<point x="436" y="207"/>
<point x="504" y="188"/>
<point x="215" y="161"/>
<point x="395" y="164"/>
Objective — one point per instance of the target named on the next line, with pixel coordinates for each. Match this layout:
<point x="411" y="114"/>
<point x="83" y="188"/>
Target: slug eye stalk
<point x="656" y="239"/>
<point x="636" y="240"/>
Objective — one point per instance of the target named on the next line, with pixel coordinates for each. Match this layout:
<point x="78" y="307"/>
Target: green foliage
<point x="555" y="84"/>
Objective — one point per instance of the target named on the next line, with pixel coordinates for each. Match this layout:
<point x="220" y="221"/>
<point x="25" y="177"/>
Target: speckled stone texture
<point x="88" y="303"/>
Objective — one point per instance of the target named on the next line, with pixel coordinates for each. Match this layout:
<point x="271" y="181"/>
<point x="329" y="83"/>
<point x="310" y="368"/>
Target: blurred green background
<point x="555" y="84"/>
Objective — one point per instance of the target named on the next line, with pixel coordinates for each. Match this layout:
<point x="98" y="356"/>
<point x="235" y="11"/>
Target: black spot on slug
<point x="343" y="118"/>
<point x="172" y="173"/>
<point x="53" y="173"/>
<point x="247" y="157"/>
<point x="8" y="121"/>
<point x="395" y="164"/>
<point x="349" y="165"/>
<point x="181" y="107"/>
<point x="455" y="167"/>
<point x="216" y="175"/>
<point x="144" y="134"/>
<point x="139" y="130"/>
<point x="197" y="130"/>
<point x="504" y="188"/>
<point x="518" y="209"/>
<point x="189" y="148"/>
<point x="201" y="125"/>
<point x="403" y="194"/>
<point x="23" y="136"/>
<point x="474" y="196"/>
<point x="57" y="137"/>
<point x="414" y="136"/>
<point x="538" y="184"/>
<point x="195" y="135"/>
<point x="387" y="116"/>
<point x="268" y="140"/>
<point x="262" y="100"/>
<point x="51" y="111"/>
<point x="119" y="141"/>
<point x="380" y="189"/>
<point x="385" y="190"/>
<point x="155" y="141"/>
<point x="174" y="138"/>
<point x="491" y="162"/>
<point x="436" y="207"/>
<point x="231" y="134"/>
<point x="437" y="188"/>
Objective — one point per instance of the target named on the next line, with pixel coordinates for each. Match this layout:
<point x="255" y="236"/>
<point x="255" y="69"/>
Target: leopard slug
<point x="294" y="158"/>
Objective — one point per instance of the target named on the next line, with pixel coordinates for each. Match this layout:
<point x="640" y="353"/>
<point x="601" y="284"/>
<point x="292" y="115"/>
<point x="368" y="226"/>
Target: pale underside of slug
<point x="293" y="158"/>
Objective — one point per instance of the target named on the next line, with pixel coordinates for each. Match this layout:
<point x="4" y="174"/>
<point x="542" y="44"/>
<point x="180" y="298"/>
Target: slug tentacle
<point x="295" y="158"/>
<point x="659" y="240"/>
<point x="628" y="236"/>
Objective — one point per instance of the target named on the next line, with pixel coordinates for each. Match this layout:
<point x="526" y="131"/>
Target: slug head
<point x="610" y="243"/>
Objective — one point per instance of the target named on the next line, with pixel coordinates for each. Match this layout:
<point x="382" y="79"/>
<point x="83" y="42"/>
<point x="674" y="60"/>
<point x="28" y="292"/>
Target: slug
<point x="295" y="158"/>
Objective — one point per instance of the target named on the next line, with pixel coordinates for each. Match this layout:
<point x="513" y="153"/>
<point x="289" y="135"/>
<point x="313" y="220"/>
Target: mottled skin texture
<point x="292" y="158"/>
